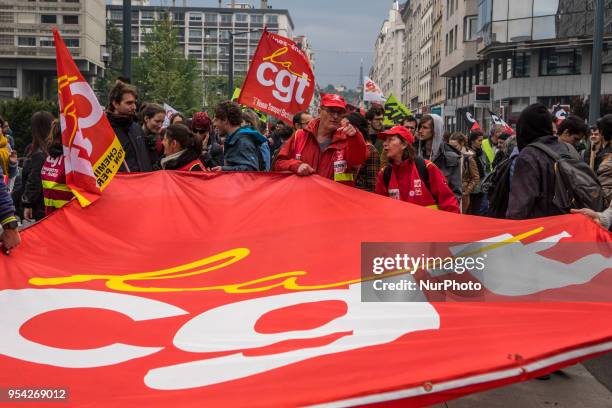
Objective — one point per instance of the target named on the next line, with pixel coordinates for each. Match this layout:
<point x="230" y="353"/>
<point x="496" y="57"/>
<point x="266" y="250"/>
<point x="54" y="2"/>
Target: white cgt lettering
<point x="232" y="327"/>
<point x="284" y="83"/>
<point x="25" y="304"/>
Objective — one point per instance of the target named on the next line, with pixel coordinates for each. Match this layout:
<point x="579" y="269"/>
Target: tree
<point x="115" y="62"/>
<point x="163" y="74"/>
<point x="19" y="113"/>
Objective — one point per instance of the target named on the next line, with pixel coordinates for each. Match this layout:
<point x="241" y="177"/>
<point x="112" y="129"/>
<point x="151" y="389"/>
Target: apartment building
<point x="389" y="54"/>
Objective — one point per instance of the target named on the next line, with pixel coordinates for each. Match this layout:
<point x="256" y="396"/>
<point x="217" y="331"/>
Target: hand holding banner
<point x="93" y="153"/>
<point x="280" y="81"/>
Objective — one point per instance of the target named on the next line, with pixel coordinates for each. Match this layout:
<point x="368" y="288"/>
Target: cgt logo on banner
<point x="92" y="151"/>
<point x="280" y="81"/>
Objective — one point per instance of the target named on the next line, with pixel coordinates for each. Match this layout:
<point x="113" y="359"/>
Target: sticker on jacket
<point x="394" y="193"/>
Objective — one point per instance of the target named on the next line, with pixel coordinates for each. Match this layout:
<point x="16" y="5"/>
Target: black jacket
<point x="32" y="193"/>
<point x="132" y="140"/>
<point x="183" y="160"/>
<point x="533" y="185"/>
<point x="213" y="154"/>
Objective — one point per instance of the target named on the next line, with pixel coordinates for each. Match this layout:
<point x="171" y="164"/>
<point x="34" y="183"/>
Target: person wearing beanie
<point x="532" y="188"/>
<point x="212" y="151"/>
<point x="410" y="178"/>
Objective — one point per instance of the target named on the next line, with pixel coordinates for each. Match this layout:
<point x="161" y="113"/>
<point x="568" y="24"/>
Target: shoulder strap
<point x="387" y="175"/>
<point x="551" y="153"/>
<point x="422" y="169"/>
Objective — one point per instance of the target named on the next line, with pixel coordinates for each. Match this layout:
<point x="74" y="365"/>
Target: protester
<point x="603" y="158"/>
<point x="327" y="146"/>
<point x="32" y="199"/>
<point x="604" y="218"/>
<point x="121" y="113"/>
<point x="177" y="118"/>
<point x="5" y="129"/>
<point x="376" y="123"/>
<point x="212" y="151"/>
<point x="182" y="149"/>
<point x="10" y="236"/>
<point x="368" y="173"/>
<point x="250" y="118"/>
<point x="431" y="146"/>
<point x="410" y="178"/>
<point x="478" y="199"/>
<point x="532" y="188"/>
<point x="410" y="123"/>
<point x="53" y="174"/>
<point x="244" y="146"/>
<point x="469" y="169"/>
<point x="5" y="154"/>
<point x="279" y="136"/>
<point x="594" y="145"/>
<point x="301" y="120"/>
<point x="153" y="117"/>
<point x="500" y="154"/>
<point x="572" y="131"/>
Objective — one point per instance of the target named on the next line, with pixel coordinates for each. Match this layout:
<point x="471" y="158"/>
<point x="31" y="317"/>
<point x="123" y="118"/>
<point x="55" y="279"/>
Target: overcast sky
<point x="342" y="32"/>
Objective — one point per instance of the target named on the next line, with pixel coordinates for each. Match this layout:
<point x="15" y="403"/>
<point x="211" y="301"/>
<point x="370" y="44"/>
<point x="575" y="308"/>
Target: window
<point x="544" y="28"/>
<point x="47" y="42"/>
<point x="226" y="19"/>
<point x="48" y="19"/>
<point x="71" y="19"/>
<point x="256" y="19"/>
<point x="211" y="33"/>
<point x="195" y="34"/>
<point x="521" y="65"/>
<point x="147" y="15"/>
<point x="500" y="10"/>
<point x="116" y="15"/>
<point x="73" y="42"/>
<point x="520" y="9"/>
<point x="606" y="61"/>
<point x="224" y="35"/>
<point x="560" y="61"/>
<point x="26" y="41"/>
<point x="210" y="51"/>
<point x="8" y="78"/>
<point x="195" y="17"/>
<point x="519" y="30"/>
<point x="271" y="19"/>
<point x="451" y="41"/>
<point x="242" y="18"/>
<point x="211" y="18"/>
<point x="470" y="30"/>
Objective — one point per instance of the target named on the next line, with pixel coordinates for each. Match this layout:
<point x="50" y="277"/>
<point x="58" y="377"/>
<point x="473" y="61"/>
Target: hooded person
<point x="212" y="151"/>
<point x="431" y="146"/>
<point x="532" y="188"/>
<point x="329" y="146"/>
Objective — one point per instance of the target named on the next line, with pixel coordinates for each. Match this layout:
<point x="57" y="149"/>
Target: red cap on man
<point x="332" y="101"/>
<point x="399" y="131"/>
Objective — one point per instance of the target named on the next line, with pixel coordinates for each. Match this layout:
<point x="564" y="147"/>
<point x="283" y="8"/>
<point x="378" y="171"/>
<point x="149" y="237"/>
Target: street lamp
<point x="230" y="75"/>
<point x="596" y="62"/>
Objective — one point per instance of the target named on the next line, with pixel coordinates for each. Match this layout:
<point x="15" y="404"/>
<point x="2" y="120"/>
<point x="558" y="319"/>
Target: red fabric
<point x="152" y="231"/>
<point x="201" y="121"/>
<point x="303" y="144"/>
<point x="54" y="171"/>
<point x="195" y="165"/>
<point x="280" y="81"/>
<point x="95" y="153"/>
<point x="405" y="178"/>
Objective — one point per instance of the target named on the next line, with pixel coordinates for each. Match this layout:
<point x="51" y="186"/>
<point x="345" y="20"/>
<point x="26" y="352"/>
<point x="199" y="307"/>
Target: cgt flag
<point x="474" y="126"/>
<point x="92" y="151"/>
<point x="499" y="121"/>
<point x="280" y="81"/>
<point x="559" y="113"/>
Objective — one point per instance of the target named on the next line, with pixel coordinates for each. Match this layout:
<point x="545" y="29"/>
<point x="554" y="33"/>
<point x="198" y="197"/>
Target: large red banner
<point x="92" y="151"/>
<point x="280" y="81"/>
<point x="244" y="290"/>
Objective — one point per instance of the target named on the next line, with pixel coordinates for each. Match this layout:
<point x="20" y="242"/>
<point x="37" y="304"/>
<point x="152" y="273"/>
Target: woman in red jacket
<point x="410" y="178"/>
<point x="181" y="149"/>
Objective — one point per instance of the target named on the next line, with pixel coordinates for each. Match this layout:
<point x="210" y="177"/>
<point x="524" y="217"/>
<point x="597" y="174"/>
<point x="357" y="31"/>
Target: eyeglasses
<point x="335" y="111"/>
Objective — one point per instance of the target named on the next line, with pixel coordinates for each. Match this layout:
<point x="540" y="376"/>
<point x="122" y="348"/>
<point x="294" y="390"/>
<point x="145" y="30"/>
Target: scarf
<point x="173" y="156"/>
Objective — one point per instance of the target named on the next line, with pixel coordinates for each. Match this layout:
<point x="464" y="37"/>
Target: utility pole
<point x="596" y="62"/>
<point x="127" y="39"/>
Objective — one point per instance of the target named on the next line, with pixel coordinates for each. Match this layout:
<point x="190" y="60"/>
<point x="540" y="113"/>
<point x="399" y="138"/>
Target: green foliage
<point x="163" y="74"/>
<point x="216" y="89"/>
<point x="19" y="113"/>
<point x="115" y="64"/>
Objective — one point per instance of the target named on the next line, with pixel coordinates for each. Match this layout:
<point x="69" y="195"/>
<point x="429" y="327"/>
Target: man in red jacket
<point x="329" y="146"/>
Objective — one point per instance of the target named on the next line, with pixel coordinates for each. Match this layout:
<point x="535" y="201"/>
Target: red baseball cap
<point x="400" y="131"/>
<point x="332" y="101"/>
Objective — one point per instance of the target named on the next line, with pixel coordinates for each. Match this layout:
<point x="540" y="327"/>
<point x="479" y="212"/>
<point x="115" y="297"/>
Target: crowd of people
<point x="513" y="175"/>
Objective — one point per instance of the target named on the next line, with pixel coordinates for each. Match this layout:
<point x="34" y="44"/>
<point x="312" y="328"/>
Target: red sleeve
<point x="285" y="160"/>
<point x="380" y="187"/>
<point x="356" y="150"/>
<point x="439" y="188"/>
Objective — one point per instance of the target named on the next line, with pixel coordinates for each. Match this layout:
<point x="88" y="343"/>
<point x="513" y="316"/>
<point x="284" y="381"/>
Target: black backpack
<point x="576" y="185"/>
<point x="497" y="187"/>
<point x="421" y="168"/>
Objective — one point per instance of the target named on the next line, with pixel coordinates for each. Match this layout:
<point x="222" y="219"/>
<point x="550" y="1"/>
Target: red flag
<point x="262" y="309"/>
<point x="280" y="81"/>
<point x="499" y="121"/>
<point x="472" y="121"/>
<point x="93" y="153"/>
